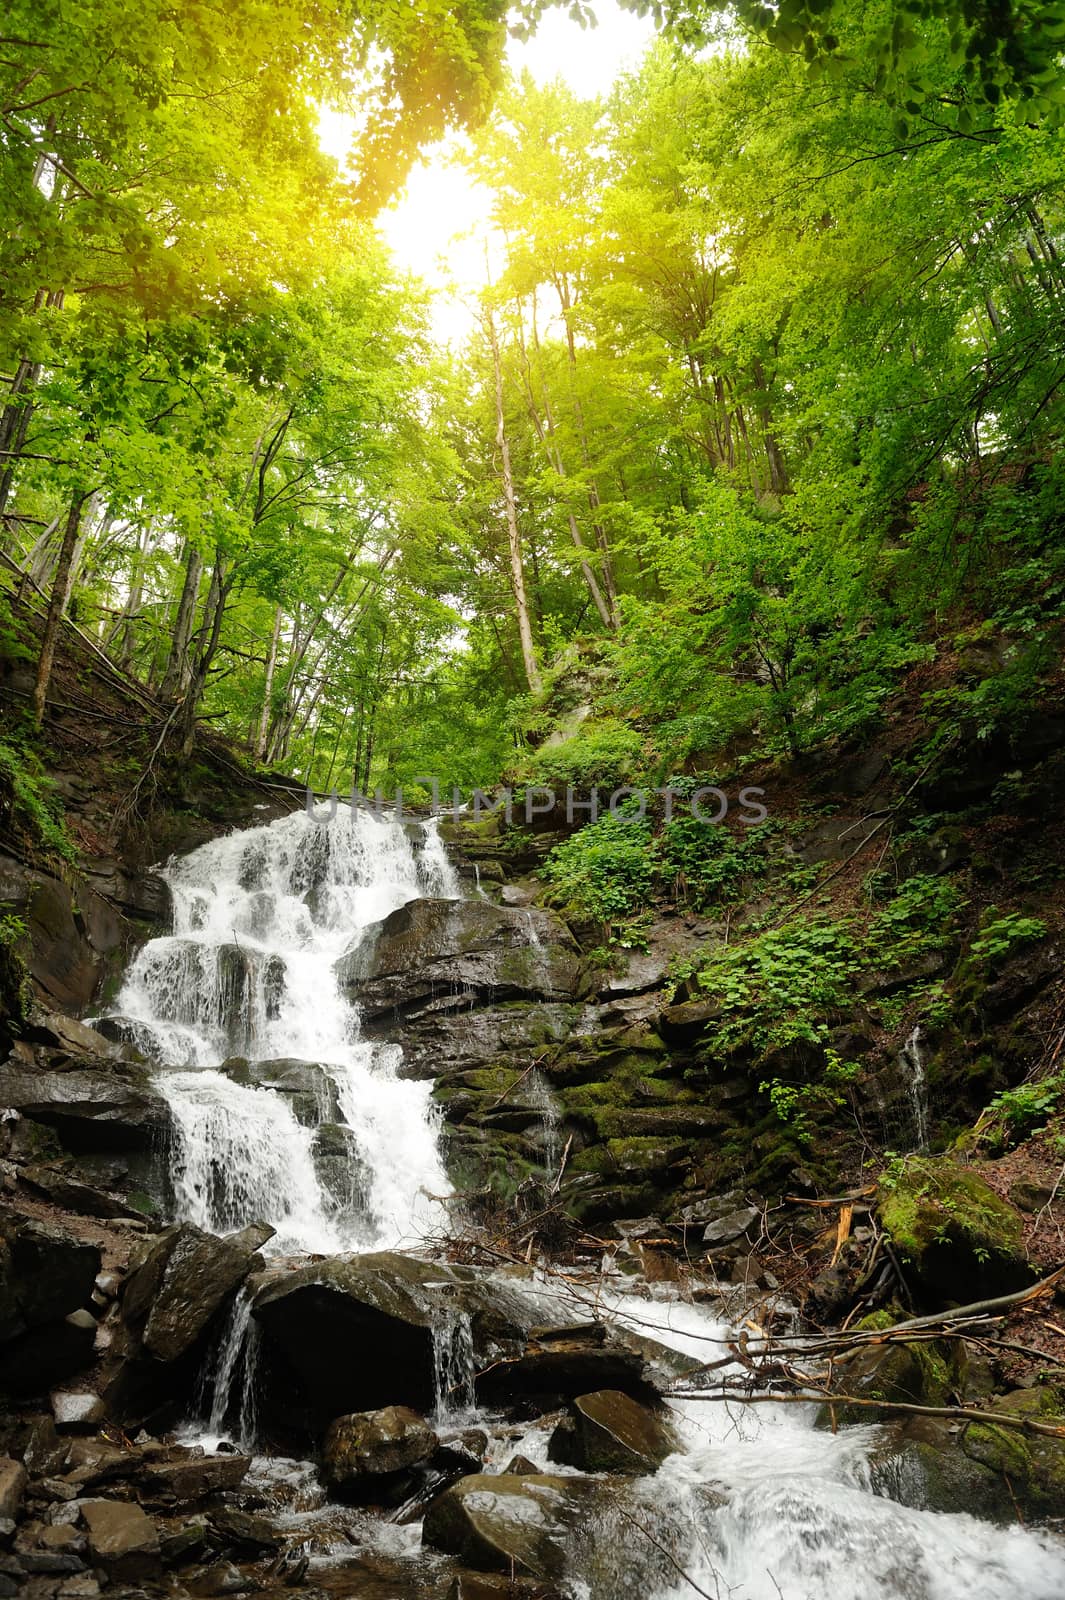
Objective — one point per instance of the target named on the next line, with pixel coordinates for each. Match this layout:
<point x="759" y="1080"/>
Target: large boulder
<point x="611" y="1432"/>
<point x="513" y="1523"/>
<point x="369" y="1456"/>
<point x="958" y="1240"/>
<point x="353" y="1334"/>
<point x="460" y="948"/>
<point x="172" y="1296"/>
<point x="309" y="1089"/>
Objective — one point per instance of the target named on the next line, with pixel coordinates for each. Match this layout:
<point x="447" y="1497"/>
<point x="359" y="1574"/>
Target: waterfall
<point x="453" y="1367"/>
<point x="538" y="1095"/>
<point x="244" y="986"/>
<point x="912" y="1059"/>
<point x="227" y="1386"/>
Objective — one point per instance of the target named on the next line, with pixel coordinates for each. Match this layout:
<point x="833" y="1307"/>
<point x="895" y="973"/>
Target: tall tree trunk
<point x="175" y="674"/>
<point x="545" y="433"/>
<point x="268" y="687"/>
<point x="56" y="606"/>
<point x="517" y="575"/>
<point x="210" y="633"/>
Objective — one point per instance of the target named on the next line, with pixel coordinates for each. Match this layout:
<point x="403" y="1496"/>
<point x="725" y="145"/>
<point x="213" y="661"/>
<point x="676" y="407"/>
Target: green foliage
<point x="31" y="803"/>
<point x="706" y="862"/>
<point x="1002" y="936"/>
<point x="779" y="988"/>
<point x="604" y="754"/>
<point x="921" y="918"/>
<point x="605" y="870"/>
<point x="1017" y="1113"/>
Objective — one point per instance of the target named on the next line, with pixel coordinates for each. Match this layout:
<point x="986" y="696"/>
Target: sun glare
<point x="439" y="227"/>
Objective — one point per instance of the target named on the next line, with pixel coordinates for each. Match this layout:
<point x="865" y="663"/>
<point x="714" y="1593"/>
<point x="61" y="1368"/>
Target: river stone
<point x="361" y="1450"/>
<point x="191" y="1478"/>
<point x="122" y="1539"/>
<point x="72" y="1195"/>
<point x="734" y="1225"/>
<point x="76" y="1410"/>
<point x="174" y="1293"/>
<point x="12" y="1487"/>
<point x="504" y="1524"/>
<point x="243" y="1531"/>
<point x="611" y="1432"/>
<point x="464" y="948"/>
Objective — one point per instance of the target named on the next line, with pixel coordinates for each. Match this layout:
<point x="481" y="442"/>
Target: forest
<point x="758" y="407"/>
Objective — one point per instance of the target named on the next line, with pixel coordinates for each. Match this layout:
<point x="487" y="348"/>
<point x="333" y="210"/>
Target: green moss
<point x="924" y="1200"/>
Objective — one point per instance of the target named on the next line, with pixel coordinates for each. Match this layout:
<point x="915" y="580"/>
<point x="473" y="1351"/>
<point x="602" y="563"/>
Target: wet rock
<point x="558" y="1364"/>
<point x="610" y="1432"/>
<point x="190" y="1478"/>
<point x="63" y="1538"/>
<point x="915" y="1374"/>
<point x="185" y="1278"/>
<point x="110" y="1109"/>
<point x="77" y="1410"/>
<point x="1032" y="1464"/>
<point x="733" y="1225"/>
<point x="460" y="947"/>
<point x="187" y="1544"/>
<point x="363" y="1454"/>
<point x="44" y="1452"/>
<point x="339" y="1164"/>
<point x="244" y="1532"/>
<point x="222" y="1578"/>
<point x="505" y="1524"/>
<point x="308" y="1088"/>
<point x="922" y="1465"/>
<point x="122" y="1539"/>
<point x="520" y="1466"/>
<point x="12" y="1487"/>
<point x="73" y="1195"/>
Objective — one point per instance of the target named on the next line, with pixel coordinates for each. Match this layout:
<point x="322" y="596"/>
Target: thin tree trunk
<point x="517" y="575"/>
<point x="211" y="626"/>
<point x="56" y="606"/>
<point x="268" y="688"/>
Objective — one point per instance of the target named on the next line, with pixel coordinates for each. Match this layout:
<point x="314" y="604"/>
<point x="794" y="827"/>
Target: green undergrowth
<point x="29" y="806"/>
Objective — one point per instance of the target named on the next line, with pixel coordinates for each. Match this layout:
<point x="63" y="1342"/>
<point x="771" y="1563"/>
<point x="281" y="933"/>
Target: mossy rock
<point x="1034" y="1464"/>
<point x="958" y="1240"/>
<point x="907" y="1374"/>
<point x="633" y="1158"/>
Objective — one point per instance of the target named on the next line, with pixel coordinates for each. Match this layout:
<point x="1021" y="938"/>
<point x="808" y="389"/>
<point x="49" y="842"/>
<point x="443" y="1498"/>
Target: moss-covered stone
<point x="959" y="1240"/>
<point x="1033" y="1463"/>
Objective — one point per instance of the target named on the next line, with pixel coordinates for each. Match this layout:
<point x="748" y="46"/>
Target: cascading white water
<point x="260" y="919"/>
<point x="911" y="1058"/>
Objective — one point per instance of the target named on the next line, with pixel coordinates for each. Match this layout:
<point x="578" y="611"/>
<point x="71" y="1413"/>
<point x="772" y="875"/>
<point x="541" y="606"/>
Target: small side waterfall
<point x="911" y="1058"/>
<point x="243" y="989"/>
<point x="453" y="1368"/>
<point x="538" y="1095"/>
<point x="227" y="1387"/>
